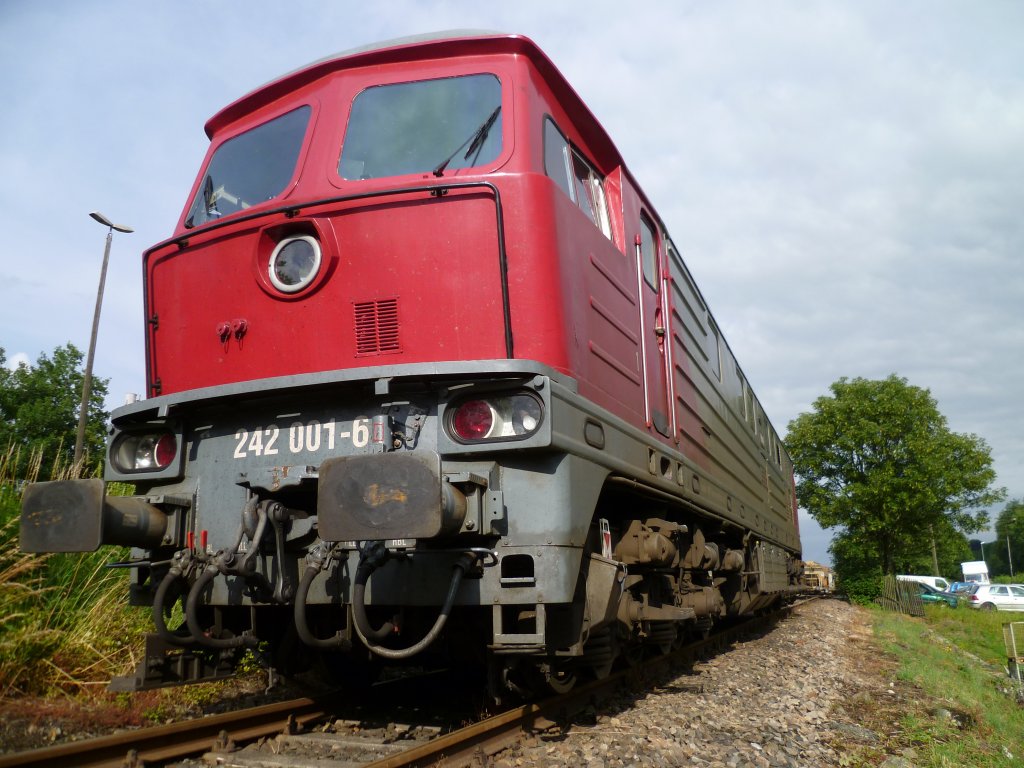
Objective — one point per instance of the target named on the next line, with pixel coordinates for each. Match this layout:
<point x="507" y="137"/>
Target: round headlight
<point x="294" y="263"/>
<point x="145" y="452"/>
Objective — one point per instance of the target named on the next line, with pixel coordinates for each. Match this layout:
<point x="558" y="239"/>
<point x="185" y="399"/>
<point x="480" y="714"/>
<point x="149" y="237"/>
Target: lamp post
<point x="83" y="415"/>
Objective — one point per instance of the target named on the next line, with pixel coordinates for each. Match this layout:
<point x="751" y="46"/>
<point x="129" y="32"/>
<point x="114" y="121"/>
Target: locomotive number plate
<point x="300" y="437"/>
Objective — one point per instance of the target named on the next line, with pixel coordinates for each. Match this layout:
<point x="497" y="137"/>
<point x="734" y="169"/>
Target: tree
<point x="951" y="549"/>
<point x="877" y="460"/>
<point x="39" y="408"/>
<point x="1007" y="551"/>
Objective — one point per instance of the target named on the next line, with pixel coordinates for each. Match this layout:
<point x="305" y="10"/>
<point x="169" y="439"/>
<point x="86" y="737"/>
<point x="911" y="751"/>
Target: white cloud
<point x="18" y="359"/>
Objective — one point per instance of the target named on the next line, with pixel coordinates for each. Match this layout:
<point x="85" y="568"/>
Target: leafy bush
<point x="858" y="575"/>
<point x="861" y="588"/>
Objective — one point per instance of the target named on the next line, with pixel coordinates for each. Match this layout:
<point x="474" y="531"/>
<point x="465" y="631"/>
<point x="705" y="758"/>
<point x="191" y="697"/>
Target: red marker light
<point x="166" y="449"/>
<point x="473" y="420"/>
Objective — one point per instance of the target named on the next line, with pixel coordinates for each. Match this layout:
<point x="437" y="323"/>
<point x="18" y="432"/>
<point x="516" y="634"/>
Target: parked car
<point x="961" y="587"/>
<point x="930" y="594"/>
<point x="1001" y="597"/>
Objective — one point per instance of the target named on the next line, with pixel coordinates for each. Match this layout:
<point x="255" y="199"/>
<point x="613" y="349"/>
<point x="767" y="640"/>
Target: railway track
<point x="322" y="732"/>
<point x="164" y="744"/>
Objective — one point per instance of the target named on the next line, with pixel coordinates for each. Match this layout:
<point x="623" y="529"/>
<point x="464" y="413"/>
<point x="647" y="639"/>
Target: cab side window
<point x="649" y="251"/>
<point x="556" y="157"/>
<point x="567" y="167"/>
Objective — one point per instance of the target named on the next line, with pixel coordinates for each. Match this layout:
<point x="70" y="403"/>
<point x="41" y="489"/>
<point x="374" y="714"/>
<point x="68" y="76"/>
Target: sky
<point x="845" y="179"/>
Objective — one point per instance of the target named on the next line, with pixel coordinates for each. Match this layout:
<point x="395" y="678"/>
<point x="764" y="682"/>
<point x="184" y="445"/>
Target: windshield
<point x="429" y="126"/>
<point x="250" y="168"/>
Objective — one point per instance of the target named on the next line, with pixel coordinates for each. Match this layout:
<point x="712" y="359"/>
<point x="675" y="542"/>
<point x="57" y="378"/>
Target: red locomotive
<point x="429" y="380"/>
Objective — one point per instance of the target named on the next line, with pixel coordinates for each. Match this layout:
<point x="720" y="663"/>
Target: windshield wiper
<point x="476" y="142"/>
<point x="209" y="205"/>
<point x="210" y="199"/>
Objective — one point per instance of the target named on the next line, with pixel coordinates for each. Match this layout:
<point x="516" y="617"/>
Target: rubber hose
<point x="362" y="623"/>
<point x="302" y="628"/>
<point x="192" y="619"/>
<point x="158" y="611"/>
<point x="461" y="567"/>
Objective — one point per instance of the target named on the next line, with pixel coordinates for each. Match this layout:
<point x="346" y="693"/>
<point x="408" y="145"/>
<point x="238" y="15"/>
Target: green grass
<point x="977" y="632"/>
<point x="64" y="624"/>
<point x="66" y="629"/>
<point x="966" y="713"/>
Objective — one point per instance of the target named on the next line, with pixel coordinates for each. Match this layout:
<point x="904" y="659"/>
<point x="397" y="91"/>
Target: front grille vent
<point x="377" y="327"/>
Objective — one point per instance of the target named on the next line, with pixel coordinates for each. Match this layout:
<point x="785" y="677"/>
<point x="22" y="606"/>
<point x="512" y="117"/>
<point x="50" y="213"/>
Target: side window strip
<point x="649" y="251"/>
<point x="556" y="157"/>
<point x="576" y="176"/>
<point x="584" y="195"/>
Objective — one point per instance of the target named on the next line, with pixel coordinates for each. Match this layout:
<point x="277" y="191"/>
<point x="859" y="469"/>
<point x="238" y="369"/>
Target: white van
<point x="936" y="582"/>
<point x="975" y="570"/>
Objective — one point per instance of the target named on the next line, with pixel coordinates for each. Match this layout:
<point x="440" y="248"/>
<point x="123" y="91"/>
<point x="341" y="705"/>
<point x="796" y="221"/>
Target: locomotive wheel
<point x="560" y="680"/>
<point x="528" y="680"/>
<point x="681" y="635"/>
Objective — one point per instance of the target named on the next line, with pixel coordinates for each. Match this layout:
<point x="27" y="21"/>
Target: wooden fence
<point x="901" y="596"/>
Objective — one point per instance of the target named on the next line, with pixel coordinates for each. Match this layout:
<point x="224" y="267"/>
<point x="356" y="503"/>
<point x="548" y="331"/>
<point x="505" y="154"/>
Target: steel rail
<point x="171" y="742"/>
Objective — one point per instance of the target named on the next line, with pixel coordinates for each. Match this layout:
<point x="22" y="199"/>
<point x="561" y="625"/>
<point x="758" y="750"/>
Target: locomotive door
<point x="655" y="331"/>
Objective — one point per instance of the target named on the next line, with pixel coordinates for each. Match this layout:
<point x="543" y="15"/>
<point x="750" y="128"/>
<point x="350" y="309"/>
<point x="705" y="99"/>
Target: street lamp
<point x="83" y="414"/>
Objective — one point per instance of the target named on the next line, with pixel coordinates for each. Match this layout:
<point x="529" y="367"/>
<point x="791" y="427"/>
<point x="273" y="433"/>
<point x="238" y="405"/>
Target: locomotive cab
<point x="427" y="377"/>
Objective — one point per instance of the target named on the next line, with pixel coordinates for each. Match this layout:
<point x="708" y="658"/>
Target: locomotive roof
<point x="465" y="42"/>
<point x="400" y="42"/>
